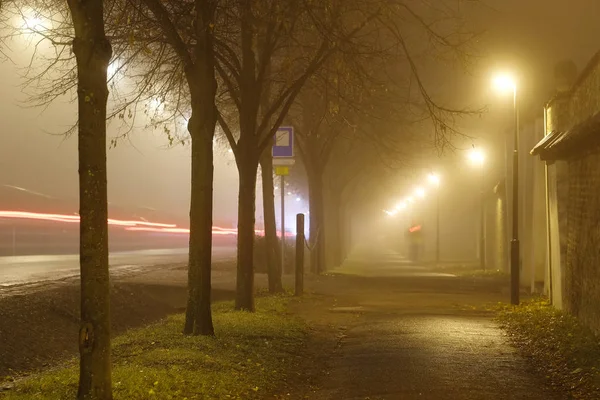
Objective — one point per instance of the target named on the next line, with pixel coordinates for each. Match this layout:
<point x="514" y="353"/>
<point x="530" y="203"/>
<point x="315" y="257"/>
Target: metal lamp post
<point x="506" y="83"/>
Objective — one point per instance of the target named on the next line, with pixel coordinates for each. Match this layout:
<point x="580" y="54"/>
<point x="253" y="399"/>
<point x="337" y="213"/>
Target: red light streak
<point x="75" y="219"/>
<point x="415" y="229"/>
<point x="134" y="226"/>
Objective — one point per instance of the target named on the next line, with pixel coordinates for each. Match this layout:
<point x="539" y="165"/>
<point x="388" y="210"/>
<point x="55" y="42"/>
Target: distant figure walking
<point x="415" y="240"/>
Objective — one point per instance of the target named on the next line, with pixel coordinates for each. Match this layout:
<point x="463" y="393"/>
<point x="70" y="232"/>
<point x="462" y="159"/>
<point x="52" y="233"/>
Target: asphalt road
<point x="21" y="270"/>
<point x="404" y="332"/>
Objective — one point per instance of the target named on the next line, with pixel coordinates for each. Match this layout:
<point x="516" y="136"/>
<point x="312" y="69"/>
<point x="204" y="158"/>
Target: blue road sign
<point x="284" y="142"/>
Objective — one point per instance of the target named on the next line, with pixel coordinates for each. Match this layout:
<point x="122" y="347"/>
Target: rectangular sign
<point x="284" y="161"/>
<point x="284" y="143"/>
<point x="282" y="170"/>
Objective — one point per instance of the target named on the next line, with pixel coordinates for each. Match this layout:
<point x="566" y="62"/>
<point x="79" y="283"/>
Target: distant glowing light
<point x="289" y="193"/>
<point x="434" y="179"/>
<point x="32" y="21"/>
<point x="410" y="200"/>
<point x="505" y="83"/>
<point x="476" y="157"/>
<point x="390" y="213"/>
<point x="414" y="228"/>
<point x="298" y="199"/>
<point x="113" y="69"/>
<point x="420" y="192"/>
<point x="401" y="206"/>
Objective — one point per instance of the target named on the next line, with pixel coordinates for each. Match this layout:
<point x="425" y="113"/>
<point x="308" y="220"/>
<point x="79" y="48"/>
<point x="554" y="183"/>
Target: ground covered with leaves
<point x="254" y="355"/>
<point x="565" y="351"/>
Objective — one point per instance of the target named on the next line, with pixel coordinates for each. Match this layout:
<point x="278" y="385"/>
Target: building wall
<point x="575" y="204"/>
<point x="532" y="203"/>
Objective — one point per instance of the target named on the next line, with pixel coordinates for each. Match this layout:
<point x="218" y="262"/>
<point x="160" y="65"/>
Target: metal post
<point x="548" y="218"/>
<point x="482" y="252"/>
<point x="437" y="229"/>
<point x="282" y="223"/>
<point x="514" y="244"/>
<point x="299" y="284"/>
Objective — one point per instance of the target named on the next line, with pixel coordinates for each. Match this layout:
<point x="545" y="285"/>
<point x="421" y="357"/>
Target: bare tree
<point x="165" y="52"/>
<point x="188" y="28"/>
<point x="297" y="38"/>
<point x="93" y="52"/>
<point x="377" y="80"/>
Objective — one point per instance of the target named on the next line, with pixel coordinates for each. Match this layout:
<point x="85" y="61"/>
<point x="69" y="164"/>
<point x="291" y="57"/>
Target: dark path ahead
<point x="406" y="333"/>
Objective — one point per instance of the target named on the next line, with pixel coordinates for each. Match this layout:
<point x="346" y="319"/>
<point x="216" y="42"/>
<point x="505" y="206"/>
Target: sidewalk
<point x="404" y="332"/>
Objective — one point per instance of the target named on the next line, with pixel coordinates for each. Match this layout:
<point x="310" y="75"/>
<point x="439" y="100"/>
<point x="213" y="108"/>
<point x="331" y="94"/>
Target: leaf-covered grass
<point x="561" y="348"/>
<point x="251" y="356"/>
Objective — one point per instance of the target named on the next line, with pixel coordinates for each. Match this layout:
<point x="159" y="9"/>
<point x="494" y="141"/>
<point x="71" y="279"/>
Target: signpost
<point x="283" y="158"/>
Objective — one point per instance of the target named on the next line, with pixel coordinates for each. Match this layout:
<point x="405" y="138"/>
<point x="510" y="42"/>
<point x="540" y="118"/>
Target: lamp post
<point x="506" y="83"/>
<point x="477" y="158"/>
<point x="434" y="179"/>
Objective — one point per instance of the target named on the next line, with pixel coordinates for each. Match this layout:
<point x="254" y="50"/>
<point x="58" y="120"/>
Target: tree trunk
<point x="93" y="51"/>
<point x="273" y="253"/>
<point x="198" y="318"/>
<point x="335" y="245"/>
<point x="343" y="234"/>
<point x="317" y="225"/>
<point x="203" y="89"/>
<point x="247" y="168"/>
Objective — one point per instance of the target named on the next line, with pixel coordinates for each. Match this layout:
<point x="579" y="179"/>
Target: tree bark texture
<point x="93" y="52"/>
<point x="334" y="241"/>
<point x="317" y="219"/>
<point x="198" y="312"/>
<point x="274" y="267"/>
<point x="247" y="168"/>
<point x="203" y="89"/>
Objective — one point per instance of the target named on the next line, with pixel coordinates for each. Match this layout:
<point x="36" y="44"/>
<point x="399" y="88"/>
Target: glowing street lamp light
<point x="434" y="179"/>
<point x="401" y="206"/>
<point x="477" y="157"/>
<point x="505" y="83"/>
<point x="420" y="192"/>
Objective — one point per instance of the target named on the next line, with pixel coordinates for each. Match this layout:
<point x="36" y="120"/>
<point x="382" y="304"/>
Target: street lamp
<point x="477" y="158"/>
<point x="434" y="179"/>
<point x="505" y="83"/>
<point x="401" y="206"/>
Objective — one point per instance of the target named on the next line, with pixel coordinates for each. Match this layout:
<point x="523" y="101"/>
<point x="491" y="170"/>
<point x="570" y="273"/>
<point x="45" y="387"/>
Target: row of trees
<point x="345" y="73"/>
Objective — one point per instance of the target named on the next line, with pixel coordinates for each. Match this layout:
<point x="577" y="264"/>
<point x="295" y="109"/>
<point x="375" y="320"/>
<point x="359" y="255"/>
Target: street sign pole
<point x="283" y="158"/>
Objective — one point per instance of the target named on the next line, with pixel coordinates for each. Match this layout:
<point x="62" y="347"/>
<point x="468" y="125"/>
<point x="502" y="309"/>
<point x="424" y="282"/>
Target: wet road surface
<point x="21" y="270"/>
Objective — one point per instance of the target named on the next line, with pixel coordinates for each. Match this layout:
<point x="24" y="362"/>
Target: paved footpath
<point x="404" y="332"/>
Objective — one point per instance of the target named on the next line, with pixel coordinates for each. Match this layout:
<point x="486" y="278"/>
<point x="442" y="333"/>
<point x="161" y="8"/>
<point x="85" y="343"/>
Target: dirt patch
<point x="39" y="328"/>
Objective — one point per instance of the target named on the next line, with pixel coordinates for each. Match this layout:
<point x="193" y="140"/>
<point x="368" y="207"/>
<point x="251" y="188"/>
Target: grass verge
<point x="254" y="355"/>
<point x="565" y="351"/>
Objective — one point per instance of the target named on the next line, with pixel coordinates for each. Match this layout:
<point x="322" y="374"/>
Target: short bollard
<point x="299" y="286"/>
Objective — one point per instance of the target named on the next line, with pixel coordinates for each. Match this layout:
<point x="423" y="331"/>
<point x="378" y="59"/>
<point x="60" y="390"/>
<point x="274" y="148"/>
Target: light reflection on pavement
<point x="21" y="270"/>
